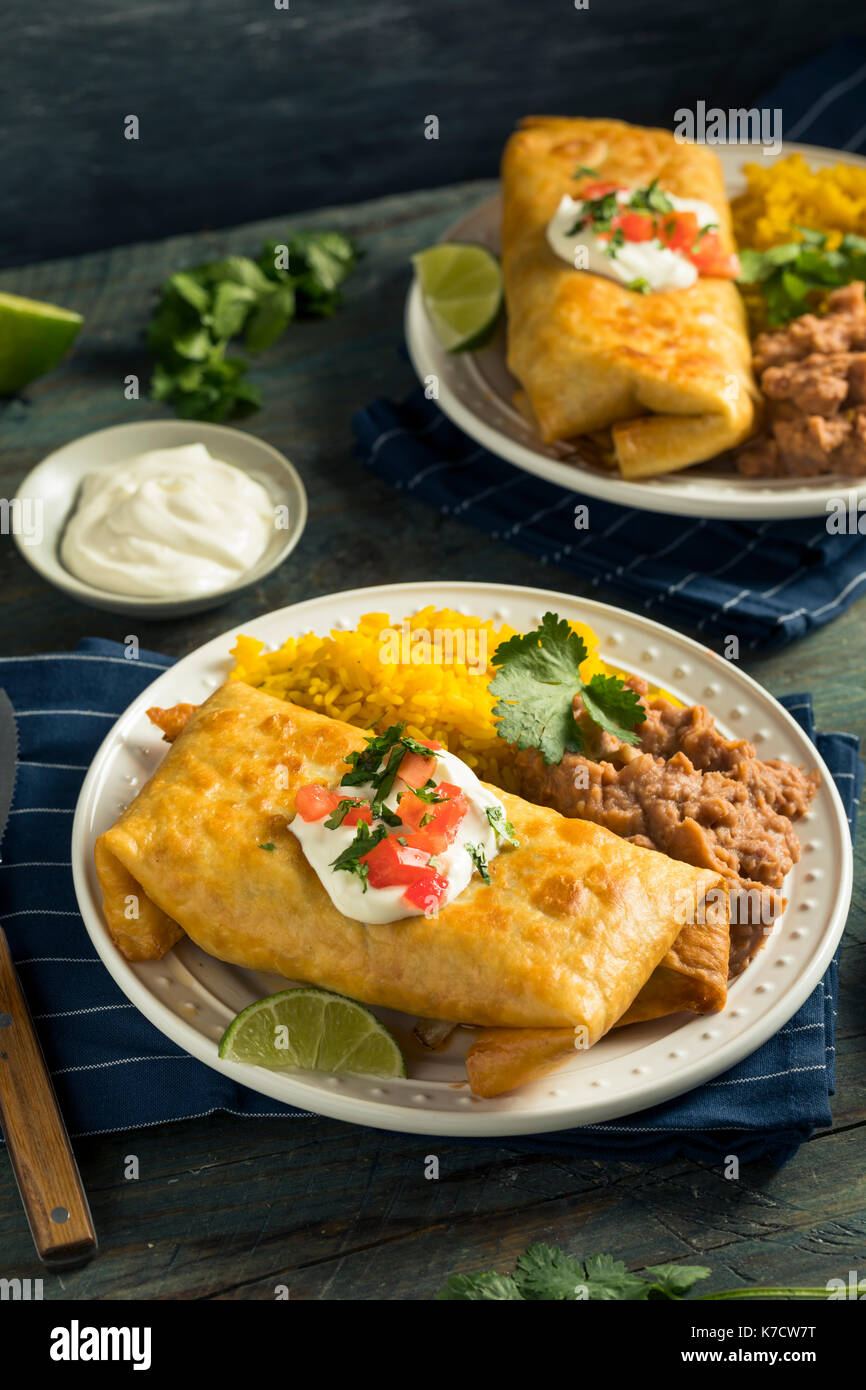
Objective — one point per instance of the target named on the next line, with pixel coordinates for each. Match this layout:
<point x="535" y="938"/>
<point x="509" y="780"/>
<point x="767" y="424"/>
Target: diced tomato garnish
<point x="598" y="190"/>
<point x="678" y="230"/>
<point x="635" y="226"/>
<point x="415" y="770"/>
<point x="313" y="801"/>
<point x="392" y="864"/>
<point x="710" y="259"/>
<point x="427" y="893"/>
<point x="446" y="816"/>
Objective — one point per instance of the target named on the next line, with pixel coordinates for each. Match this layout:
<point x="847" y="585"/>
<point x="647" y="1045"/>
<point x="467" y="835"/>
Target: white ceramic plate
<point x="191" y="997"/>
<point x="55" y="482"/>
<point x="476" y="391"/>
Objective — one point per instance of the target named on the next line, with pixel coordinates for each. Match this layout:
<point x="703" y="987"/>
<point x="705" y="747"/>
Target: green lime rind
<point x="461" y="284"/>
<point x="34" y="337"/>
<point x="310" y="1029"/>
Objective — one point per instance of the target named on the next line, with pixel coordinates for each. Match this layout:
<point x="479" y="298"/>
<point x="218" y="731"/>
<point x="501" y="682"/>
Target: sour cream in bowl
<point x="160" y="518"/>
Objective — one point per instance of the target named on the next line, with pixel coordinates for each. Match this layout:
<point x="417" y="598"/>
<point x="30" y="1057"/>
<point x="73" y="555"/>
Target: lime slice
<point x="314" y="1030"/>
<point x="462" y="288"/>
<point x="33" y="338"/>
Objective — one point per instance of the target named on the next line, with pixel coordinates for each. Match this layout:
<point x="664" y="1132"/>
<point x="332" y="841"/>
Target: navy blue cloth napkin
<point x="114" y="1071"/>
<point x="767" y="582"/>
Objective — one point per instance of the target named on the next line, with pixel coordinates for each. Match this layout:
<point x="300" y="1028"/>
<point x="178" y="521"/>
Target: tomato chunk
<point x="392" y="865"/>
<point x="678" y="230"/>
<point x="314" y="801"/>
<point x="635" y="226"/>
<point x="711" y="259"/>
<point x="359" y="813"/>
<point x="441" y="819"/>
<point x="427" y="893"/>
<point x="415" y="770"/>
<point x="598" y="190"/>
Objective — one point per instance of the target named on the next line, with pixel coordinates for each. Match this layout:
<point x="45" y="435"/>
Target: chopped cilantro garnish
<point x="401" y="840"/>
<point x="650" y="199"/>
<point x="615" y="241"/>
<point x="426" y="819"/>
<point x="583" y="171"/>
<point x="364" y="841"/>
<point x="340" y="812"/>
<point x="702" y="231"/>
<point x="365" y="765"/>
<point x="479" y="859"/>
<point x="538" y="678"/>
<point x="429" y="793"/>
<point x="268" y="846"/>
<point x="504" y="829"/>
<point x="640" y="285"/>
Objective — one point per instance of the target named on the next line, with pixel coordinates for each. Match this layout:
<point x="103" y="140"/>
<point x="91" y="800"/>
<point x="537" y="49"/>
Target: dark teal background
<point x="247" y="111"/>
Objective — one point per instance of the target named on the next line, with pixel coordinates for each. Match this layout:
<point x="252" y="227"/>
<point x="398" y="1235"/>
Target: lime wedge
<point x="462" y="288"/>
<point x="314" y="1030"/>
<point x="33" y="338"/>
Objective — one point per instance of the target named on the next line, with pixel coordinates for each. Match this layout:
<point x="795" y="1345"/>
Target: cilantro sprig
<point x="503" y="828"/>
<point x="350" y="859"/>
<point x="793" y="278"/>
<point x="479" y="859"/>
<point x="545" y="1272"/>
<point x="538" y="678"/>
<point x="203" y="309"/>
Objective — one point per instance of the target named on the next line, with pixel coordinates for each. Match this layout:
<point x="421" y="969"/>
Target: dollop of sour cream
<point x="170" y="522"/>
<point x="374" y="905"/>
<point x="656" y="265"/>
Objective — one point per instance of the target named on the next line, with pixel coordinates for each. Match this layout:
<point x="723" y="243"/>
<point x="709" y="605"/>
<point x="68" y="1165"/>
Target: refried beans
<point x="692" y="794"/>
<point x="812" y="374"/>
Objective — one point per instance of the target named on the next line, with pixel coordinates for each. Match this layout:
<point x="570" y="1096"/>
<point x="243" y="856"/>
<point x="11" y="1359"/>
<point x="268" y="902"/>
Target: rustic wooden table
<point x="228" y="1208"/>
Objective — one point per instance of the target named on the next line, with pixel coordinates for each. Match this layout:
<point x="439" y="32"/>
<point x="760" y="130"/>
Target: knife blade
<point x="42" y="1159"/>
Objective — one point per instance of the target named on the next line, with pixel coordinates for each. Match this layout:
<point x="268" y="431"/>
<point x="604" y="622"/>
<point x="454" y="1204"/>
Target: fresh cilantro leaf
<point x="267" y="846"/>
<point x="546" y="1272"/>
<point x="271" y="319"/>
<point x="504" y="829"/>
<point x="650" y="199"/>
<point x="477" y="1288"/>
<point x="674" y="1281"/>
<point x="385" y="782"/>
<point x="794" y="277"/>
<point x="479" y="859"/>
<point x="640" y="285"/>
<point x="583" y="171"/>
<point x="341" y="810"/>
<point x="614" y="706"/>
<point x="413" y="745"/>
<point x="538" y="678"/>
<point x="366" y="763"/>
<point x="385" y="813"/>
<point x="364" y="841"/>
<point x="428" y="794"/>
<point x="202" y="309"/>
<point x="608" y="1279"/>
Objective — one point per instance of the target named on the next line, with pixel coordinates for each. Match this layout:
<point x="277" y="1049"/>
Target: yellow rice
<point x="343" y="675"/>
<point x="788" y="194"/>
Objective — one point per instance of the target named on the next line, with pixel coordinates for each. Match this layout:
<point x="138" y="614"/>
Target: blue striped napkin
<point x="767" y="583"/>
<point x="114" y="1071"/>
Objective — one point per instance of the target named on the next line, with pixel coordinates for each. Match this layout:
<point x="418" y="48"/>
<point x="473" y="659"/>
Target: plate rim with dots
<point x="190" y="997"/>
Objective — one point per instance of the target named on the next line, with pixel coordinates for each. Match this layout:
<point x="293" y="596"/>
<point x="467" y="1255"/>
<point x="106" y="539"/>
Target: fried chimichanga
<point x="669" y="373"/>
<point x="569" y="930"/>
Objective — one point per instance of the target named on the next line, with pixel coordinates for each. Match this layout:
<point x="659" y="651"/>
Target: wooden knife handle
<point x="44" y="1164"/>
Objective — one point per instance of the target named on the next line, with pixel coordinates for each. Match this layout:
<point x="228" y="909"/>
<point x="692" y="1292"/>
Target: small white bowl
<point x="55" y="482"/>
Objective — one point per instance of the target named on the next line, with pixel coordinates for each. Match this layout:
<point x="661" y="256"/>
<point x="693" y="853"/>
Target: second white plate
<point x="476" y="391"/>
